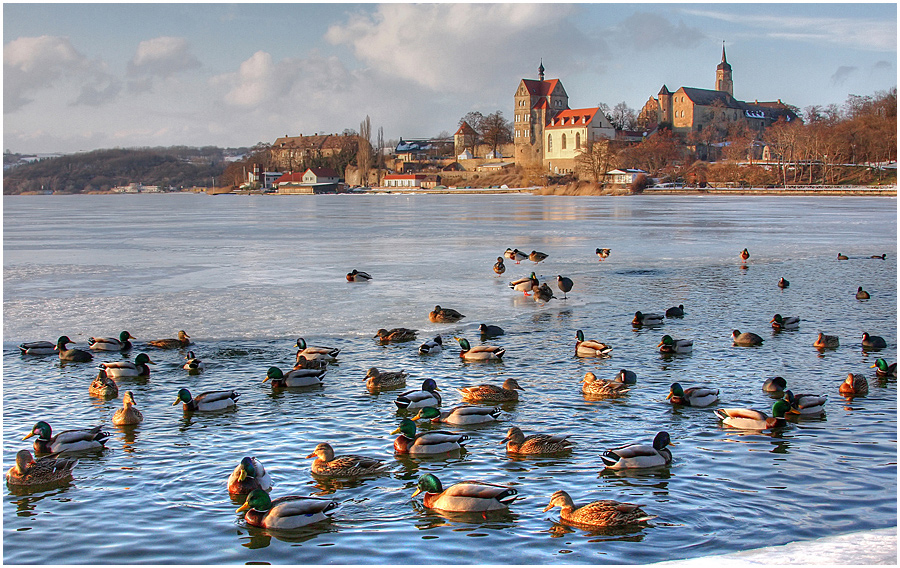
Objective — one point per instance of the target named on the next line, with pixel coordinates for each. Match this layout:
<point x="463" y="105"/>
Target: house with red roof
<point x="313" y="180"/>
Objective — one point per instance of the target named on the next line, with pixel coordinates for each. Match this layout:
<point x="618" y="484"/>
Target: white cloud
<point x="162" y="57"/>
<point x="458" y="47"/>
<point x="31" y="64"/>
<point x="635" y="30"/>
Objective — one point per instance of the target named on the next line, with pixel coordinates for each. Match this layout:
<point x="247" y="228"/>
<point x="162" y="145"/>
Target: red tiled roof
<point x="573" y="117"/>
<point x="541" y="105"/>
<point x="292" y="177"/>
<point x="465" y="129"/>
<point x="540" y="88"/>
<point x="323" y="172"/>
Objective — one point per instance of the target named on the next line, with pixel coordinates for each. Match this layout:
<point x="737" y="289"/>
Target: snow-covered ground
<point x="868" y="547"/>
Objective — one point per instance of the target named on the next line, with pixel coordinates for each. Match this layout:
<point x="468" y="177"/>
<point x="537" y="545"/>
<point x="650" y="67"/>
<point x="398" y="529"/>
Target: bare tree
<point x="594" y="160"/>
<point x="379" y="159"/>
<point x="495" y="130"/>
<point x="364" y="153"/>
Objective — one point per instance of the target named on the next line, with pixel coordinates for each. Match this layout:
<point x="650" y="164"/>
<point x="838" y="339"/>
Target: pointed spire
<point x="723" y="52"/>
<point x="541" y="70"/>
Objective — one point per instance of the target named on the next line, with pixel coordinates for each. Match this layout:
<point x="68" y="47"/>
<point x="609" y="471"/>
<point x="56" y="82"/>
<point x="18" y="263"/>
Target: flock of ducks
<point x="251" y="479"/>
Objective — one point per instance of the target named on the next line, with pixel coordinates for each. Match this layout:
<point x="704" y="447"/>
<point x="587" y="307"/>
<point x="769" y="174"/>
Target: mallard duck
<point x="479" y="352"/>
<point x="517" y="443"/>
<point x="499" y="267"/>
<point x="749" y="419"/>
<point x="38" y="348"/>
<point x="826" y="341"/>
<point x="248" y="476"/>
<point x="745" y="254"/>
<point x="873" y="342"/>
<point x="314" y="353"/>
<point x="879" y="256"/>
<point x="515" y="255"/>
<point x="125" y="369"/>
<point x="104" y="387"/>
<point x="488" y="331"/>
<point x="326" y="465"/>
<point x="128" y="414"/>
<point x="492" y="393"/>
<point x="73" y="355"/>
<point x="464" y="497"/>
<point x="50" y="469"/>
<point x="444" y="315"/>
<point x="640" y="318"/>
<point x="564" y="284"/>
<point x="842" y="256"/>
<point x="603" y="513"/>
<point x="183" y="341"/>
<point x="861" y="294"/>
<point x="782" y="283"/>
<point x="111" y="343"/>
<point x="432" y="346"/>
<point x="285" y="513"/>
<point x="746" y="339"/>
<point x="304" y="363"/>
<point x="806" y="404"/>
<point x="431" y="442"/>
<point x="396" y="334"/>
<point x="694" y="396"/>
<point x="592" y="386"/>
<point x="459" y="415"/>
<point x="211" y="400"/>
<point x="376" y="379"/>
<point x="602" y="253"/>
<point x="358" y="276"/>
<point x="669" y="345"/>
<point x="294" y="377"/>
<point x="882" y="369"/>
<point x="525" y="285"/>
<point x="775" y="385"/>
<point x="590" y="347"/>
<point x="625" y="376"/>
<point x="428" y="396"/>
<point x="537" y="257"/>
<point x="675" y="311"/>
<point x="543" y="293"/>
<point x="779" y="323"/>
<point x="193" y="365"/>
<point x="853" y="385"/>
<point x="636" y="456"/>
<point x="68" y="440"/>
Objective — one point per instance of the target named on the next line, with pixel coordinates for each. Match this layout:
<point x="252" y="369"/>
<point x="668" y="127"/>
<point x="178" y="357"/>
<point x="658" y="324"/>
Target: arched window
<point x="577" y="140"/>
<point x="563" y="145"/>
<point x="549" y="142"/>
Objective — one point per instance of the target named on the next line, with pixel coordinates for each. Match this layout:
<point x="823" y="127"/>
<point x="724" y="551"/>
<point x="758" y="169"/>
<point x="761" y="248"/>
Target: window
<point x="577" y="141"/>
<point x="563" y="144"/>
<point x="549" y="142"/>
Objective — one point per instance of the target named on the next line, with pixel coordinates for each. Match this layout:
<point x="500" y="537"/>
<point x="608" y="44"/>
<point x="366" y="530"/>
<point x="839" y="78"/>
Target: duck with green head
<point x="295" y="377"/>
<point x="111" y="343"/>
<point x="37" y="348"/>
<point x="71" y="355"/>
<point x="641" y="319"/>
<point x="193" y="365"/>
<point x="425" y="443"/>
<point x="882" y="369"/>
<point x="806" y="404"/>
<point x="68" y="440"/>
<point x="669" y="345"/>
<point x="459" y="414"/>
<point x="427" y="396"/>
<point x="207" y="401"/>
<point x="249" y="475"/>
<point x="126" y="369"/>
<point x="285" y="513"/>
<point x="693" y="396"/>
<point x="314" y="353"/>
<point x="779" y="323"/>
<point x="479" y="352"/>
<point x="526" y="284"/>
<point x="637" y="456"/>
<point x="749" y="419"/>
<point x="464" y="497"/>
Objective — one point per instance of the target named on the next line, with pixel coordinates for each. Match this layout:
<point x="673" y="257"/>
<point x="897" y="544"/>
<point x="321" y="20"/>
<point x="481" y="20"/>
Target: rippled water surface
<point x="246" y="276"/>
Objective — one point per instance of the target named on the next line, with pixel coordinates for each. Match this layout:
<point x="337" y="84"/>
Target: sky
<point x="79" y="77"/>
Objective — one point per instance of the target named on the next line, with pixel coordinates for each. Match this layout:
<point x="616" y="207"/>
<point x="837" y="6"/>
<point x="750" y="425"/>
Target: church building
<point x="546" y="132"/>
<point x="690" y="109"/>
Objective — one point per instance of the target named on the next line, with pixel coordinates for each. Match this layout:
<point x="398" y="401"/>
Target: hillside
<point x="176" y="167"/>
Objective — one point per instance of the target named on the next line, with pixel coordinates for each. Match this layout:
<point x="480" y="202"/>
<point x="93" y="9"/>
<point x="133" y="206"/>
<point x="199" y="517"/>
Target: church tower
<point x="536" y="103"/>
<point x="723" y="75"/>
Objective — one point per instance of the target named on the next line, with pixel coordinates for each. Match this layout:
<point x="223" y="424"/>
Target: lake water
<point x="246" y="276"/>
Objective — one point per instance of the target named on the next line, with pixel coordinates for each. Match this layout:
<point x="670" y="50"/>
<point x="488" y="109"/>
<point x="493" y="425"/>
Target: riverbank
<point x="867" y="547"/>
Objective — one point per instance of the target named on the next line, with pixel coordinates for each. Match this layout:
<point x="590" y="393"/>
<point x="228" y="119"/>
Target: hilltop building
<point x="690" y="109"/>
<point x="547" y="133"/>
<point x="293" y="153"/>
